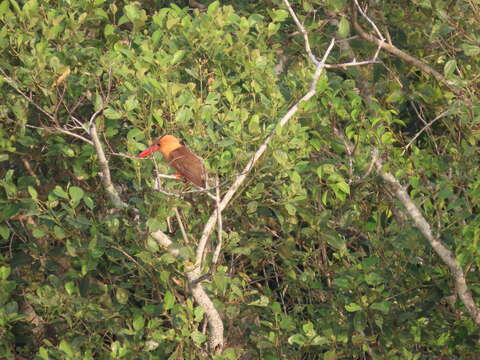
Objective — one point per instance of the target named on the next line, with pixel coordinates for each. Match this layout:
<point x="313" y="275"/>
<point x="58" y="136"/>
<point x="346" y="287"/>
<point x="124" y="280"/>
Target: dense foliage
<point x="319" y="261"/>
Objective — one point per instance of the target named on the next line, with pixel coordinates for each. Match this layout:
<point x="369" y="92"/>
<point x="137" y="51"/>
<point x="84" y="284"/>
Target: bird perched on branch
<point x="180" y="158"/>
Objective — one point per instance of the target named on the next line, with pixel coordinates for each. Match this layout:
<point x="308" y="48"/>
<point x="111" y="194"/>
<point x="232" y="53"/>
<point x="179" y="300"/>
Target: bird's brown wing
<point x="188" y="164"/>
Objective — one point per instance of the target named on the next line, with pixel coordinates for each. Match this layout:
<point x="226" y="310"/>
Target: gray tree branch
<point x="423" y="226"/>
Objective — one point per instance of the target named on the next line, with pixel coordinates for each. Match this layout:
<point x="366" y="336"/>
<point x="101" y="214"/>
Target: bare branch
<point x="303" y="31"/>
<point x="94" y="116"/>
<point x="352" y="63"/>
<point x="445" y="254"/>
<point x="180" y="223"/>
<point x="166" y="243"/>
<point x="397" y="52"/>
<point x="216" y="254"/>
<point x="14" y="85"/>
<point x="251" y="163"/>
<point x="61" y="130"/>
<point x="105" y="174"/>
<point x="370" y="21"/>
<point x="215" y="324"/>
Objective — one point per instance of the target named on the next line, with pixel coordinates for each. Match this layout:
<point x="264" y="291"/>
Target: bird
<point x="179" y="157"/>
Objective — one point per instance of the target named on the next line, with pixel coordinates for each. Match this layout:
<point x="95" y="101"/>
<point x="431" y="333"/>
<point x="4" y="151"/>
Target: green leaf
<point x="254" y="125"/>
<point x="66" y="348"/>
<point x="359" y="321"/>
<point x="70" y="287"/>
<point x="292" y="210"/>
<point x="155" y="224"/>
<point x="138" y="322"/>
<point x="309" y="329"/>
<point x="89" y="202"/>
<point x="9" y="211"/>
<point x="335" y="240"/>
<point x="4" y="232"/>
<point x="344" y="187"/>
<point x="183" y="115"/>
<point x="152" y="244"/>
<point x="177" y="57"/>
<point x="396" y="96"/>
<point x="168" y="300"/>
<point x="383" y="306"/>
<point x="297" y="339"/>
<point x="43" y="353"/>
<point x="450" y="68"/>
<point x="470" y="50"/>
<point x="4" y="272"/>
<point x="330" y="355"/>
<point x="172" y="22"/>
<point x="58" y="191"/>
<point x="343" y="27"/>
<point x="337" y="5"/>
<point x="280" y="15"/>
<point x="33" y="193"/>
<point x="131" y="104"/>
<point x="122" y="296"/>
<point x="112" y="114"/>
<point x="59" y="233"/>
<point x="213" y="7"/>
<point x="262" y="302"/>
<point x="198" y="337"/>
<point x="374" y="279"/>
<point x="281" y="157"/>
<point x="352" y="307"/>
<point x="76" y="193"/>
<point x="319" y="340"/>
<point x="38" y="233"/>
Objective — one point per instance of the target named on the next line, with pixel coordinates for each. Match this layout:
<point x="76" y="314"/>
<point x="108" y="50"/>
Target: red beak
<point x="149" y="151"/>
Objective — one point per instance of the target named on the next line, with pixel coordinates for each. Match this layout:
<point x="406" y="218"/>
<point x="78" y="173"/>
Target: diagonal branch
<point x="12" y="83"/>
<point x="303" y="31"/>
<point x="399" y="53"/>
<point x="215" y="324"/>
<point x="445" y="254"/>
<point x="251" y="163"/>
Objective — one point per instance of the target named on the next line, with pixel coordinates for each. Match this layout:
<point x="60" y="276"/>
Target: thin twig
<point x="131" y="258"/>
<point x="370" y="168"/>
<point x="443" y="114"/>
<point x="370" y="21"/>
<point x="13" y="84"/>
<point x="349" y="149"/>
<point x="180" y="223"/>
<point x="61" y="130"/>
<point x="59" y="103"/>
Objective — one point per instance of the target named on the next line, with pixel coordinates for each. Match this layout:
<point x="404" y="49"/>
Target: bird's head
<point x="165" y="144"/>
